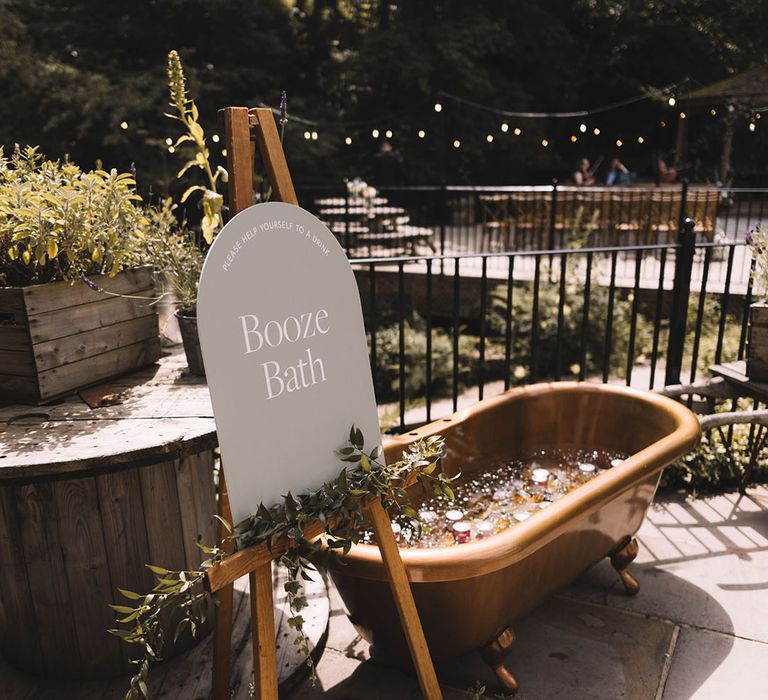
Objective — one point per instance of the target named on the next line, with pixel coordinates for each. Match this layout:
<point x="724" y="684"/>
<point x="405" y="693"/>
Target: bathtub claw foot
<point x="621" y="559"/>
<point x="494" y="654"/>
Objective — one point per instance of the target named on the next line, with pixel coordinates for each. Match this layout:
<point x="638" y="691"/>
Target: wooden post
<point x="725" y="154"/>
<point x="257" y="561"/>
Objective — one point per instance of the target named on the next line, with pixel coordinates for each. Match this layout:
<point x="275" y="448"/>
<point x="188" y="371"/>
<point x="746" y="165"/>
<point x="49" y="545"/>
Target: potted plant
<point x="75" y="291"/>
<point x="757" y="343"/>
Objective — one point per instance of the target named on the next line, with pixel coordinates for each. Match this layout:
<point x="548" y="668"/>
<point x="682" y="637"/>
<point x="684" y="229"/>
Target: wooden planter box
<point x="757" y="347"/>
<point x="59" y="337"/>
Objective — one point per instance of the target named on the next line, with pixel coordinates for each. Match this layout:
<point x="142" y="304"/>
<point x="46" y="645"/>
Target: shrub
<point x="58" y="222"/>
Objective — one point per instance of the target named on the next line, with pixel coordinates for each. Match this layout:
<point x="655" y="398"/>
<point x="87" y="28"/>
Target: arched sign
<point x="285" y="353"/>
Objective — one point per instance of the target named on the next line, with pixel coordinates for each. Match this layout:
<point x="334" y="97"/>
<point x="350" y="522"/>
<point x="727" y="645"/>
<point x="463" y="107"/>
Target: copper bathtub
<point x="470" y="595"/>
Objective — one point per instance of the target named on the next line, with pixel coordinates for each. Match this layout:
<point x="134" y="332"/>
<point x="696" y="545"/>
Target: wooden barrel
<point x="88" y="497"/>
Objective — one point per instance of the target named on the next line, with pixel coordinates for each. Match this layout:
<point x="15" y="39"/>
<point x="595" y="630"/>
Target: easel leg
<point x="222" y="643"/>
<point x="222" y="640"/>
<point x="406" y="607"/>
<point x="263" y="633"/>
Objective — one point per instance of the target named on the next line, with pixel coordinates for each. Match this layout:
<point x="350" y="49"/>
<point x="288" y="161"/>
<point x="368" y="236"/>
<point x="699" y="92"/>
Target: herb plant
<point x="58" y="222"/>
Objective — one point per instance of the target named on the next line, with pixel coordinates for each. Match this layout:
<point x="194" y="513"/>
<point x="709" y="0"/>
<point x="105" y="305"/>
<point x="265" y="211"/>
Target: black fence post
<point x="680" y="294"/>
<point x="553" y="218"/>
<point x="443" y="221"/>
<point x="683" y="205"/>
<point x="347" y="233"/>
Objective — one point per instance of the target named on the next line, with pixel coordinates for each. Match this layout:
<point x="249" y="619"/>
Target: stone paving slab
<point x="712" y="666"/>
<point x="702" y="563"/>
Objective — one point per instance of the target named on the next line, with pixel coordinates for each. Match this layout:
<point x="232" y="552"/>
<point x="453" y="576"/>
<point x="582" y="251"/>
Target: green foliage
<point x="187" y="113"/>
<point x="338" y="504"/>
<point x="571" y="331"/>
<point x="387" y="375"/>
<point x="58" y="222"/>
<point x="721" y="459"/>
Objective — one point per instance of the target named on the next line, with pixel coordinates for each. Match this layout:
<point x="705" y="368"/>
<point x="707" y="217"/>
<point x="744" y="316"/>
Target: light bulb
<point x="375" y="133"/>
<point x="544" y="143"/>
<point x="489" y="138"/>
<point x="583" y="128"/>
<point x="619" y="143"/>
<point x="671" y="101"/>
<point x="751" y="126"/>
<point x="348" y="140"/>
<point x="314" y="136"/>
<point x="307" y="135"/>
<point x="505" y="127"/>
<point x="215" y="138"/>
<point x="422" y="133"/>
<point x="574" y="138"/>
<point x="438" y="107"/>
<point x="169" y="141"/>
<point x="456" y="143"/>
<point x="518" y="131"/>
<point x="640" y="139"/>
<point x="123" y="125"/>
<point x="682" y="115"/>
<point x="596" y="131"/>
<point x="388" y="133"/>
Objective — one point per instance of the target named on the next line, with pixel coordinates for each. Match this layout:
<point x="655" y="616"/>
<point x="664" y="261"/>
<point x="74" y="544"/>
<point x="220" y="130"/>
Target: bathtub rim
<point x="482" y="557"/>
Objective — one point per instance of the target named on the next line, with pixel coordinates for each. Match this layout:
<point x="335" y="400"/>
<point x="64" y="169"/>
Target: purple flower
<point x="748" y="236"/>
<point x="283" y="108"/>
<point x="133" y="170"/>
<point x="91" y="284"/>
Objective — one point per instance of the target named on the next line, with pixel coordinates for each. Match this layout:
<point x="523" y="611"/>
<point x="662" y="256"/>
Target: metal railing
<point x="447" y="329"/>
<point x="452" y="220"/>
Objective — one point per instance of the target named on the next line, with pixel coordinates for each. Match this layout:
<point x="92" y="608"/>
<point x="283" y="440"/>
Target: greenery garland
<point x="179" y="596"/>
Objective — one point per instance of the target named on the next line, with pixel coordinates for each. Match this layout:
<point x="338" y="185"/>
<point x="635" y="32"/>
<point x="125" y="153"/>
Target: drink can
<point x="540" y="477"/>
<point x="461" y="532"/>
<point x="452" y="517"/>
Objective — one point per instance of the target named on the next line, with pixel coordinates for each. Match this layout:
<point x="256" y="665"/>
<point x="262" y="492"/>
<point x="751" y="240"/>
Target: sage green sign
<point x="285" y="353"/>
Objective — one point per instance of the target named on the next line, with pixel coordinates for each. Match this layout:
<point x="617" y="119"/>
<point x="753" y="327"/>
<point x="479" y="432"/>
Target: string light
<point x="583" y="128"/>
<point x="619" y="143"/>
<point x="671" y="101"/>
<point x="751" y="126"/>
<point x="518" y="131"/>
<point x="388" y="133"/>
<point x="640" y="139"/>
<point x="544" y="143"/>
<point x="663" y="124"/>
<point x="171" y="149"/>
<point x="123" y="125"/>
<point x="596" y="131"/>
<point x="505" y="127"/>
<point x="169" y="141"/>
<point x="757" y="115"/>
<point x="438" y="107"/>
<point x="224" y="152"/>
<point x="713" y="112"/>
<point x="574" y="138"/>
<point x="314" y="136"/>
<point x="682" y="115"/>
<point x="348" y="140"/>
<point x="456" y="143"/>
<point x="215" y="138"/>
<point x="307" y="135"/>
<point x="422" y="133"/>
<point x="489" y="138"/>
<point x="375" y="133"/>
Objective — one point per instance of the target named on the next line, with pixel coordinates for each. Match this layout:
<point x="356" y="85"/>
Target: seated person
<point x="583" y="176"/>
<point x="617" y="174"/>
<point x="666" y="173"/>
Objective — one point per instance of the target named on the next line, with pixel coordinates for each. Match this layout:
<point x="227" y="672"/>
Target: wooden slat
<point x="61" y="295"/>
<point x="87" y="574"/>
<point x="125" y="535"/>
<point x="196" y="503"/>
<point x="162" y="515"/>
<point x="272" y="154"/>
<point x="18" y="362"/>
<point x="73" y="348"/>
<point x="61" y="380"/>
<point x="239" y="161"/>
<point x="15" y="594"/>
<point x="14" y="337"/>
<point x="48" y="583"/>
<point x="103" y="312"/>
<point x="18" y="388"/>
<point x="12" y="303"/>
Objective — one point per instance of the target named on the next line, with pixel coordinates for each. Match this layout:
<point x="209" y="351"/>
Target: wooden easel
<point x="243" y="128"/>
